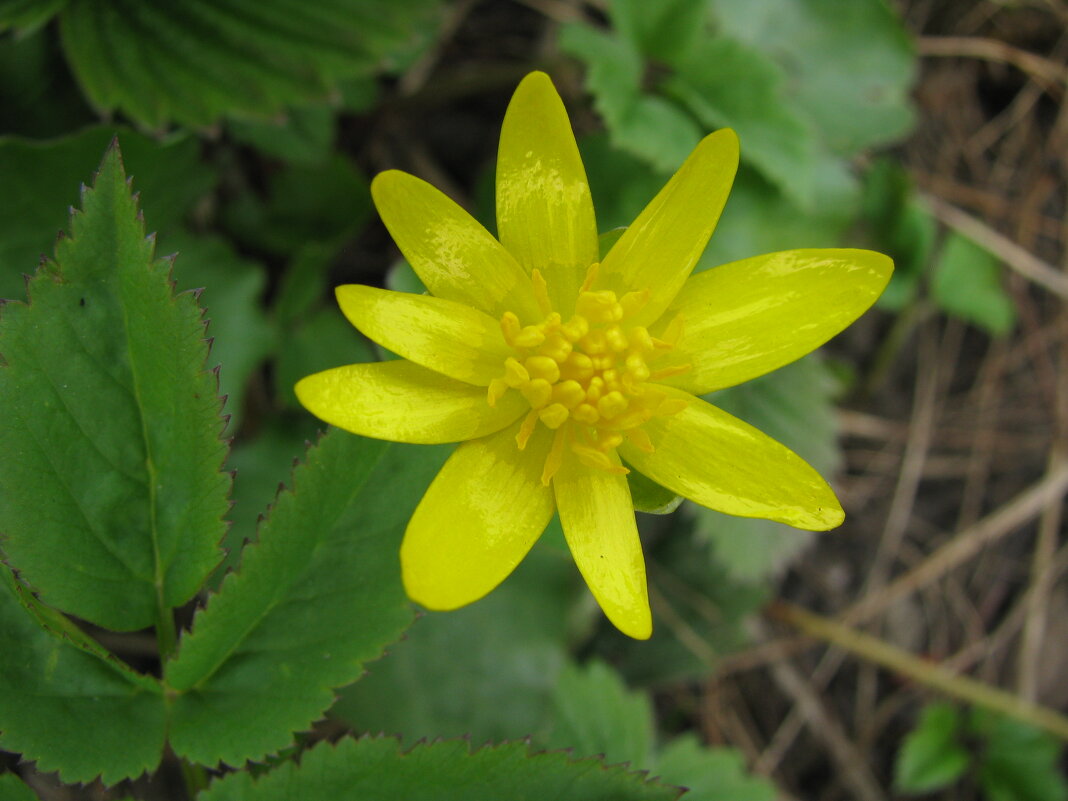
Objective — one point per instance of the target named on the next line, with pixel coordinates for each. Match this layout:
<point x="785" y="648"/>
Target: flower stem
<point x="927" y="673"/>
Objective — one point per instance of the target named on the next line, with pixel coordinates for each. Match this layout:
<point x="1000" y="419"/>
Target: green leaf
<point x="726" y="84"/>
<point x="666" y="30"/>
<point x="232" y="299"/>
<point x="793" y="405"/>
<point x="54" y="689"/>
<point x="646" y="126"/>
<point x="314" y="599"/>
<point x="710" y="774"/>
<point x="303" y="135"/>
<point x="1019" y="762"/>
<point x="193" y="62"/>
<point x="900" y="226"/>
<point x="967" y="284"/>
<point x="41" y="180"/>
<point x="38" y="98"/>
<point x="11" y="789"/>
<point x="26" y="15"/>
<point x="503" y="655"/>
<point x="932" y="756"/>
<point x="322" y="203"/>
<point x="851" y="65"/>
<point x="378" y="770"/>
<point x="111" y="495"/>
<point x="596" y="714"/>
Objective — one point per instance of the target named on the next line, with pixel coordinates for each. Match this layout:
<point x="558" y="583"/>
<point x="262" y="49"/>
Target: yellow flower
<point x="551" y="367"/>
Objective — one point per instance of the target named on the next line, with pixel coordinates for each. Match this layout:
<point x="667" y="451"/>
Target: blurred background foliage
<point x="251" y="129"/>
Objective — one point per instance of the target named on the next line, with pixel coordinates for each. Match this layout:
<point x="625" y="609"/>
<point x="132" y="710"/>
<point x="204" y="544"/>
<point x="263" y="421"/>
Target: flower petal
<point x="718" y="461"/>
<point x="747" y="318"/>
<point x="598" y="520"/>
<point x="404" y="402"/>
<point x="477" y="521"/>
<point x="449" y="249"/>
<point x="659" y="250"/>
<point x="442" y="335"/>
<point x="545" y="214"/>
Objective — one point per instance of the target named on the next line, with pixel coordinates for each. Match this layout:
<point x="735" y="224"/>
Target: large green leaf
<point x="726" y="84"/>
<point x="710" y="774"/>
<point x="793" y="405"/>
<point x="378" y="770"/>
<point x="666" y="31"/>
<point x="232" y="300"/>
<point x="967" y="283"/>
<point x="851" y="64"/>
<point x="933" y="755"/>
<point x="314" y="599"/>
<point x="11" y="789"/>
<point x="192" y="61"/>
<point x="27" y="14"/>
<point x="503" y="655"/>
<point x="595" y="713"/>
<point x="67" y="705"/>
<point x="37" y="96"/>
<point x="111" y="495"/>
<point x="41" y="179"/>
<point x="644" y="125"/>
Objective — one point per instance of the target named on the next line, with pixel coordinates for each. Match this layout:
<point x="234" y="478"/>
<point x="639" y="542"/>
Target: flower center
<point x="587" y="378"/>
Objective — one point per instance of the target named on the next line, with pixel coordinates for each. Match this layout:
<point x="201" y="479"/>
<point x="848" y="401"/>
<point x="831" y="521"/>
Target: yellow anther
<point x="578" y="366"/>
<point x="510" y="327"/>
<point x="595" y="389"/>
<point x="526" y="429"/>
<point x="599" y="307"/>
<point x="537" y="392"/>
<point x="556" y="347"/>
<point x="640" y="439"/>
<point x="576" y="328"/>
<point x="594" y="342"/>
<point x="530" y="337"/>
<point x="667" y="372"/>
<point x="612" y="405"/>
<point x="515" y="374"/>
<point x="637" y="369"/>
<point x="543" y="367"/>
<point x="633" y="302"/>
<point x="569" y="393"/>
<point x="591" y="276"/>
<point x="541" y="291"/>
<point x="585" y="413"/>
<point x="495" y="391"/>
<point x="555" y="457"/>
<point x="615" y="338"/>
<point x="554" y="415"/>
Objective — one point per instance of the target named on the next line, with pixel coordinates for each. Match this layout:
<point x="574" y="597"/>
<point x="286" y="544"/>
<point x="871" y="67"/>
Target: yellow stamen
<point x="541" y="291"/>
<point x="591" y="276"/>
<point x="554" y="415"/>
<point x="555" y="457"/>
<point x="526" y="429"/>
